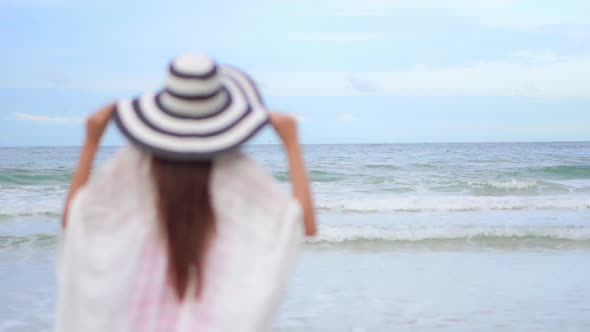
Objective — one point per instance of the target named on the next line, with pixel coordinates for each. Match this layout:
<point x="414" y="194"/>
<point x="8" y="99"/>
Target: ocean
<point x="412" y="237"/>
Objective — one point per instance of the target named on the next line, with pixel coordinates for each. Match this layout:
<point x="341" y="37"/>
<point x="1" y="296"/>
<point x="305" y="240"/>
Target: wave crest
<point x="506" y="185"/>
<point x="455" y="204"/>
<point x="413" y="233"/>
<point x="29" y="210"/>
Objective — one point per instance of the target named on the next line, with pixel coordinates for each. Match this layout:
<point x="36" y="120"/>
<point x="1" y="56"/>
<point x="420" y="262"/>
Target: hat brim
<point x="152" y="128"/>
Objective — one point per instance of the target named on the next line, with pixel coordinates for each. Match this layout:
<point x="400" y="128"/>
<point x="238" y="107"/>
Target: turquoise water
<point x="413" y="237"/>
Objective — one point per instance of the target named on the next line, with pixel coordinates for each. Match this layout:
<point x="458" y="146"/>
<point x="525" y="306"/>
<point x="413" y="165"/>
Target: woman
<point x="180" y="231"/>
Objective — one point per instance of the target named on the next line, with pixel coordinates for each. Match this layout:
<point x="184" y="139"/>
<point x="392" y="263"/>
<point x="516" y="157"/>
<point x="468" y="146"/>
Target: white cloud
<point x="338" y="38"/>
<point x="366" y="13"/>
<point x="541" y="75"/>
<point x="480" y="5"/>
<point x="347" y="118"/>
<point x="547" y="56"/>
<point x="35" y="3"/>
<point x="100" y="82"/>
<point x="508" y="13"/>
<point x="356" y="8"/>
<point x="361" y="86"/>
<point x="45" y="118"/>
<point x="303" y="119"/>
<point x="527" y="74"/>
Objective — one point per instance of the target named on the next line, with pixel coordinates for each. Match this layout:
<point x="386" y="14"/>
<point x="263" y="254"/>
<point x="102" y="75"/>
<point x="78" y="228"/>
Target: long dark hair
<point x="186" y="216"/>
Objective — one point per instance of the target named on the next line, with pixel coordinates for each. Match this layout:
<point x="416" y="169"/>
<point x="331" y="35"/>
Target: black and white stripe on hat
<point x="203" y="110"/>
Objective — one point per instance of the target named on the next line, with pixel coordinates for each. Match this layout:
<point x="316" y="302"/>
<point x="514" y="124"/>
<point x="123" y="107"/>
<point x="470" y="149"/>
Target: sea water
<point x="413" y="237"/>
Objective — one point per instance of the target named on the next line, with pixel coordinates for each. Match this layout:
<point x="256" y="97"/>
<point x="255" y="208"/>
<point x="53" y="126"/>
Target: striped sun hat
<point x="204" y="109"/>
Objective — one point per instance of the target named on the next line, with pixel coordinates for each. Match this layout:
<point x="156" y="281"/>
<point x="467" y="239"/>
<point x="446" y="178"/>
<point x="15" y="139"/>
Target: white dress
<point x="112" y="261"/>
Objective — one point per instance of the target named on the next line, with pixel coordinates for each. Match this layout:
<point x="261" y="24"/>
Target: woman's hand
<point x="97" y="122"/>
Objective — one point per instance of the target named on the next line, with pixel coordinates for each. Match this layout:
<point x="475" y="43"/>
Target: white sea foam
<point x="30" y="200"/>
<point x="574" y="185"/>
<point x="455" y="203"/>
<point x="336" y="234"/>
<point x="31" y="209"/>
<point x="506" y="185"/>
<point x="401" y="233"/>
<point x="417" y="204"/>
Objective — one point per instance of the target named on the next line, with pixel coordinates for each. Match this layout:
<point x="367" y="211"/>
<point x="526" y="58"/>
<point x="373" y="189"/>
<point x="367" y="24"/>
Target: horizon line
<point x="365" y="143"/>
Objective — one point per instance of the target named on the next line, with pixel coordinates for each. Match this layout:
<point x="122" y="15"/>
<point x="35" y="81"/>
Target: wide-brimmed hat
<point x="204" y="109"/>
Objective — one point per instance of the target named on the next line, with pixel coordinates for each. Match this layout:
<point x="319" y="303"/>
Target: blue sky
<point x="364" y="71"/>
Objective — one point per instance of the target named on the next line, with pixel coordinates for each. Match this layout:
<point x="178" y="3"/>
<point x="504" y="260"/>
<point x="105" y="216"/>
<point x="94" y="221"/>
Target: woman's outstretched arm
<point x="95" y="126"/>
<point x="286" y="127"/>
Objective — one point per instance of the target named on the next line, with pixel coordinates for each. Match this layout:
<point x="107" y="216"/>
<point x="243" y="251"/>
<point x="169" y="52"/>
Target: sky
<point x="364" y="71"/>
